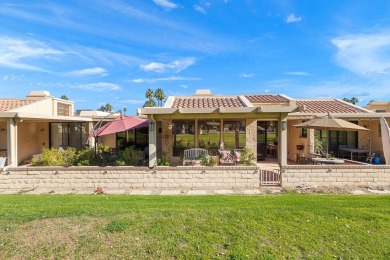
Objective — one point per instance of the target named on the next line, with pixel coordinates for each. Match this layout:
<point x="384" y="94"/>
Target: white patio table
<point x="326" y="161"/>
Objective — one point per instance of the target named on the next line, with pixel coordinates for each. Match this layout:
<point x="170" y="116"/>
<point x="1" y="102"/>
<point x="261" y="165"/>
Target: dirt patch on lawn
<point x="60" y="237"/>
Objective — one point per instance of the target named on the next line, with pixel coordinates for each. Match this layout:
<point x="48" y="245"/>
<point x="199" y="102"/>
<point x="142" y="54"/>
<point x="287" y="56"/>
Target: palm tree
<point x="109" y="108"/>
<point x="352" y="100"/>
<point x="150" y="103"/>
<point x="64" y="97"/>
<point x="149" y="94"/>
<point x="106" y="108"/>
<point x="160" y="96"/>
<point x="124" y="110"/>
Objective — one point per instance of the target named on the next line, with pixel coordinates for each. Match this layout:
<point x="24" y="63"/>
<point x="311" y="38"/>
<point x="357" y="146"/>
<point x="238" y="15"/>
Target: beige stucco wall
<point x="32" y="138"/>
<point x="294" y="139"/>
<point x="47" y="106"/>
<point x="373" y="135"/>
<point x="109" y="140"/>
<point x="251" y="135"/>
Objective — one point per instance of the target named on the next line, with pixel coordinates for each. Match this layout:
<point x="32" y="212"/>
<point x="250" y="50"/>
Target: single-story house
<point x="27" y="125"/>
<point x="264" y="123"/>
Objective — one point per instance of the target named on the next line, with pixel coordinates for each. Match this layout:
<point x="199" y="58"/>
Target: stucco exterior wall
<point x="251" y="135"/>
<point x="32" y="138"/>
<point x="109" y="140"/>
<point x="294" y="138"/>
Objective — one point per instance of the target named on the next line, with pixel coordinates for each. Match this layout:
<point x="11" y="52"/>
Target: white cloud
<point x="364" y="54"/>
<point x="24" y="54"/>
<point x="167" y="5"/>
<point x="200" y="9"/>
<point x="172" y="78"/>
<point x="293" y="19"/>
<point x="99" y="86"/>
<point x="298" y="73"/>
<point x="176" y="66"/>
<point x="247" y="75"/>
<point x="132" y="101"/>
<point x="89" y="72"/>
<point x="184" y="86"/>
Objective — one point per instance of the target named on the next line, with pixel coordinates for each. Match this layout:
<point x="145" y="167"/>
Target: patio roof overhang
<point x="221" y="110"/>
<point x="367" y="116"/>
<point x="42" y="118"/>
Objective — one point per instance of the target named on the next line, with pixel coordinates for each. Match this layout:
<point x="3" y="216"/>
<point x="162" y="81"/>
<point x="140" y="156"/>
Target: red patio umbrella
<point x="121" y="124"/>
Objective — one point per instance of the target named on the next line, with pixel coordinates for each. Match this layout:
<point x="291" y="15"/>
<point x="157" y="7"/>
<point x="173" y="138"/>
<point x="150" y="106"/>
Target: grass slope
<point x="228" y="227"/>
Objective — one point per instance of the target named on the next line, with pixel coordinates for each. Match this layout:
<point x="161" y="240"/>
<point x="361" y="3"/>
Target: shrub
<point x="164" y="159"/>
<point x="247" y="157"/>
<point x="207" y="160"/>
<point x="54" y="157"/>
<point x="131" y="156"/>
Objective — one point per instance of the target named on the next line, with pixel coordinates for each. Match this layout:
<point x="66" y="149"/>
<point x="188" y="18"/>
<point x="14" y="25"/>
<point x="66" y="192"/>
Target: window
<point x="234" y="135"/>
<point x="68" y="134"/>
<point x="183" y="136"/>
<point x="137" y="137"/>
<point x="63" y="109"/>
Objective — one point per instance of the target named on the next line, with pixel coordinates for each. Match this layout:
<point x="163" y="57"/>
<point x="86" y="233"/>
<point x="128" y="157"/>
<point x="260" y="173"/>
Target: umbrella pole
<point x="327" y="143"/>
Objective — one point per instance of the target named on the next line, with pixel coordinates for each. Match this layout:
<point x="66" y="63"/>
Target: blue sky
<point x="98" y="52"/>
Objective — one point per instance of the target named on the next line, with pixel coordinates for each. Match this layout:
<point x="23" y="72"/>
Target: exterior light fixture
<point x="151" y="126"/>
<point x="284" y="125"/>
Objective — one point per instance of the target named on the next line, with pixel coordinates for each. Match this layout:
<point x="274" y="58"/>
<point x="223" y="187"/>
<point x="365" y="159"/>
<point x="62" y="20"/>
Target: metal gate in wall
<point x="270" y="177"/>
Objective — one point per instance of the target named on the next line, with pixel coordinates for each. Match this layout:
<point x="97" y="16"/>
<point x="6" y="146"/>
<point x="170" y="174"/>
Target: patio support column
<point x="12" y="142"/>
<point x="282" y="149"/>
<point x="221" y="130"/>
<point x="152" y="142"/>
<point x="196" y="133"/>
<point x="91" y="140"/>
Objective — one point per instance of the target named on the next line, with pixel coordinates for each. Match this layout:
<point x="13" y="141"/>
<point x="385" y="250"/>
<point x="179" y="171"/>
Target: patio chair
<point x="225" y="157"/>
<point x="370" y="157"/>
<point x="237" y="155"/>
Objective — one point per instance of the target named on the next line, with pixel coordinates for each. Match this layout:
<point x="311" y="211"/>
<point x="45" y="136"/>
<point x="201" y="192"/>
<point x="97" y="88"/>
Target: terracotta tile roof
<point x="329" y="106"/>
<point x="9" y="104"/>
<point x="266" y="98"/>
<point x="206" y="102"/>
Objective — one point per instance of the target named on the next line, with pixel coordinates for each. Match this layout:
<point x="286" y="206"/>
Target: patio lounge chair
<point x="225" y="157"/>
<point x="237" y="155"/>
<point x="370" y="157"/>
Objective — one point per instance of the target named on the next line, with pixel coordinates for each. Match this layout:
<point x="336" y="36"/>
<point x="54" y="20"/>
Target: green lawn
<point x="165" y="227"/>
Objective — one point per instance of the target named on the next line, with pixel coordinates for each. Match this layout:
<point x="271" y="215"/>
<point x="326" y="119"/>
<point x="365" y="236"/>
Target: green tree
<point x="150" y="103"/>
<point x="160" y="96"/>
<point x="64" y="97"/>
<point x="149" y="94"/>
<point x="352" y="100"/>
<point x="106" y="108"/>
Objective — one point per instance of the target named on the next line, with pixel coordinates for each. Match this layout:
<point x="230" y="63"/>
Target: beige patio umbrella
<point x="330" y="123"/>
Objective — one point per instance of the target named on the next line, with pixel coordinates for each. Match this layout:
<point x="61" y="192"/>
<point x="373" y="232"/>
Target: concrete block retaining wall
<point x="186" y="177"/>
<point x="335" y="175"/>
<point x="115" y="178"/>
